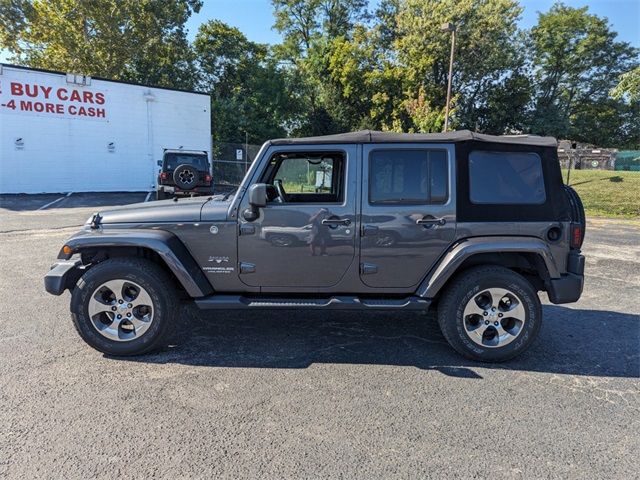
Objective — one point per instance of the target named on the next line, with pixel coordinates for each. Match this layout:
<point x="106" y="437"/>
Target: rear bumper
<point x="206" y="190"/>
<point x="568" y="288"/>
<point x="62" y="276"/>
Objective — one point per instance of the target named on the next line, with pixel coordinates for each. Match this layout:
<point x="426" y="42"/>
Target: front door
<point x="305" y="236"/>
<point x="408" y="212"/>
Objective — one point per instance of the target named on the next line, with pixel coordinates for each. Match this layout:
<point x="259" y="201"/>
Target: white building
<point x="68" y="133"/>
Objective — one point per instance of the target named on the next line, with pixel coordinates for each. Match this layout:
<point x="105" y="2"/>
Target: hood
<point x="182" y="210"/>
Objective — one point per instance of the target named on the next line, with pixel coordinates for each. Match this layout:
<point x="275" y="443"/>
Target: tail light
<point x="207" y="178"/>
<point x="576" y="235"/>
<point x="164" y="176"/>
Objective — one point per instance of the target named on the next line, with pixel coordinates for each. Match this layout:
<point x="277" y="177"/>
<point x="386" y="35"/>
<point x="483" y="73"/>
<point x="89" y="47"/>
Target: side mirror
<point x="257" y="200"/>
<point x="258" y="195"/>
<point x="159" y="162"/>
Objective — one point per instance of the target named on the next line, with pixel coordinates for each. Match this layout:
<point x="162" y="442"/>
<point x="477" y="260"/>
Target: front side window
<point x="508" y="178"/>
<point x="307" y="177"/>
<point x="408" y="176"/>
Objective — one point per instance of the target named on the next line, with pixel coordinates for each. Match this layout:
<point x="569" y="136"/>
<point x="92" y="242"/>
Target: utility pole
<point x="571" y="160"/>
<point x="449" y="27"/>
<point x="246" y="151"/>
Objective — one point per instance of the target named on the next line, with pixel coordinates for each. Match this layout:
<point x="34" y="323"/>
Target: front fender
<point x="432" y="284"/>
<point x="170" y="249"/>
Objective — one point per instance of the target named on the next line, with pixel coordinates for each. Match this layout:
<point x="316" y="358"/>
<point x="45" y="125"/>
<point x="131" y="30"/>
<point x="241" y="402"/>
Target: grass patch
<point x="607" y="193"/>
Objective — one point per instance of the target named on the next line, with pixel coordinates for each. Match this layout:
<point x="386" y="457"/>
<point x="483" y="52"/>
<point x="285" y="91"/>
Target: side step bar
<point x="232" y="302"/>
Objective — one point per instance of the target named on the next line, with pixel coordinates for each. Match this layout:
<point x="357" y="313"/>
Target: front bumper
<point x="568" y="288"/>
<point x="63" y="275"/>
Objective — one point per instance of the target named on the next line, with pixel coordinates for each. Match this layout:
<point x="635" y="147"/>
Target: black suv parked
<point x="474" y="224"/>
<point x="184" y="173"/>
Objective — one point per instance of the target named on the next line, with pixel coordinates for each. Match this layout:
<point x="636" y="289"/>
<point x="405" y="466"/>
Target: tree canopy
<point x="341" y="66"/>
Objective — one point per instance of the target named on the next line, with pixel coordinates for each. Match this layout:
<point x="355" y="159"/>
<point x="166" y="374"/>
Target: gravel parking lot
<point x="313" y="395"/>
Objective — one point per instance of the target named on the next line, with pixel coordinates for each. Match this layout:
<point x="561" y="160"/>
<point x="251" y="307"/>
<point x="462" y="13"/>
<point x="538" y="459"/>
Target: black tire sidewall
<point x="145" y="274"/>
<point x="180" y="183"/>
<point x="464" y="289"/>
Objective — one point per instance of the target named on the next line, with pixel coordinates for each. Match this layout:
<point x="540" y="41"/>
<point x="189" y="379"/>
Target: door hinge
<point x="247" y="267"/>
<point x="368" y="268"/>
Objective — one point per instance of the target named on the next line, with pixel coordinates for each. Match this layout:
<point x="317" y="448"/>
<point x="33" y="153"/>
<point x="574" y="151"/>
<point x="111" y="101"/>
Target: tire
<point x="152" y="322"/>
<point x="161" y="195"/>
<point x="185" y="177"/>
<point x="518" y="319"/>
<point x="577" y="209"/>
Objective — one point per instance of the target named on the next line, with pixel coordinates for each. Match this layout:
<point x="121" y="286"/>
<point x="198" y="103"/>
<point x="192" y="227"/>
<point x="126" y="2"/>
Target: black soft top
<point x="372" y="136"/>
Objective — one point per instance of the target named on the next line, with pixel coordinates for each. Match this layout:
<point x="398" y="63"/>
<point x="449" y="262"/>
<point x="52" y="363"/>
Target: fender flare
<point x="464" y="249"/>
<point x="170" y="249"/>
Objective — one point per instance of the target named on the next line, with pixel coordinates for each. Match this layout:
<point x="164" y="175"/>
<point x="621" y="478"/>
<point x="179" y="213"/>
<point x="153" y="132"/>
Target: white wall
<point x="64" y="152"/>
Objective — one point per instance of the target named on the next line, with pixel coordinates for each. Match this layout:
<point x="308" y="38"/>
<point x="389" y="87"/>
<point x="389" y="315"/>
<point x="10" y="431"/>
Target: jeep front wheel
<point x="490" y="314"/>
<point x="123" y="306"/>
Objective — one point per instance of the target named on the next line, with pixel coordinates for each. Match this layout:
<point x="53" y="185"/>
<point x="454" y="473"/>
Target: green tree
<point x="135" y="40"/>
<point x="629" y="86"/>
<point x="310" y="28"/>
<point x="247" y="86"/>
<point x="577" y="62"/>
<point x="487" y="56"/>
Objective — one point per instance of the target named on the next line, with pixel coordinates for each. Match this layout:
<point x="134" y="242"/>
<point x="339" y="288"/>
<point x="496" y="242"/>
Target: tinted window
<point x="513" y="178"/>
<point x="174" y="160"/>
<point x="408" y="176"/>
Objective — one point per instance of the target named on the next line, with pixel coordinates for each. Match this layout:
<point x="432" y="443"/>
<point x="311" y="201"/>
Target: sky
<point x="255" y="17"/>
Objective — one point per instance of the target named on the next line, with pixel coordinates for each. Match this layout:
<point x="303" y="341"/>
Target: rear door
<point x="408" y="211"/>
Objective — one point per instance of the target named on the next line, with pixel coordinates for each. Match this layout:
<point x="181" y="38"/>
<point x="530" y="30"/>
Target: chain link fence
<point x="230" y="162"/>
<point x="628" y="160"/>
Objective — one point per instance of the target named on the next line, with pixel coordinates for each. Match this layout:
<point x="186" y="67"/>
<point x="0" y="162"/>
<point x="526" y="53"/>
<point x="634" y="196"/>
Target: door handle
<point x="334" y="222"/>
<point x="428" y="222"/>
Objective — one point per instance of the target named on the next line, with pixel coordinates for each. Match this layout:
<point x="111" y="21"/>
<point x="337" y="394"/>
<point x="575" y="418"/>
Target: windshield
<point x="174" y="160"/>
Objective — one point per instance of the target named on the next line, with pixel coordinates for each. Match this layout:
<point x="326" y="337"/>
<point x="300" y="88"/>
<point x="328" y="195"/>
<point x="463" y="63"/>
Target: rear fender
<point x="461" y="251"/>
<point x="168" y="247"/>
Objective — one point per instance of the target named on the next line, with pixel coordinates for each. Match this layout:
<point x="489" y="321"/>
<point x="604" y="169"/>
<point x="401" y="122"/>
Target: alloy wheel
<point x="494" y="317"/>
<point x="121" y="310"/>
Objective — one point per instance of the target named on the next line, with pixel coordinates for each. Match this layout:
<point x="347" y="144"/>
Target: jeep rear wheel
<point x="123" y="306"/>
<point x="490" y="314"/>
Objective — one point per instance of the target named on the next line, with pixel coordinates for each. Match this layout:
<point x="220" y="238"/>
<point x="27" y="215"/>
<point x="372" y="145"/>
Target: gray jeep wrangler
<point x="474" y="224"/>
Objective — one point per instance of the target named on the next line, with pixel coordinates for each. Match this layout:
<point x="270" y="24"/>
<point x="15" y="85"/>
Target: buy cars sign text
<point x="64" y="101"/>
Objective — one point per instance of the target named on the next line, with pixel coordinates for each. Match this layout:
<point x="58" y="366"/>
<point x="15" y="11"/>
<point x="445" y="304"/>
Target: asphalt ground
<point x="313" y="394"/>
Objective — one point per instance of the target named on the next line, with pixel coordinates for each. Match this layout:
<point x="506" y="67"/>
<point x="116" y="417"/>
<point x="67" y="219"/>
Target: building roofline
<point x="56" y="72"/>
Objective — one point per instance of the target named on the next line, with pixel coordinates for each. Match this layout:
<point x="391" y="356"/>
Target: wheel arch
<point x="528" y="256"/>
<point x="159" y="246"/>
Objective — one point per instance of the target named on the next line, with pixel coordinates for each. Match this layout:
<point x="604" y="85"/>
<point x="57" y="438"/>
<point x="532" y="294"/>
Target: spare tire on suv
<point x="185" y="177"/>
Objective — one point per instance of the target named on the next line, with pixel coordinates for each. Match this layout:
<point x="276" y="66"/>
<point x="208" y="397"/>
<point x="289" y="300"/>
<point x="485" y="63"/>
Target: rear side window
<point x="408" y="176"/>
<point x="508" y="178"/>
